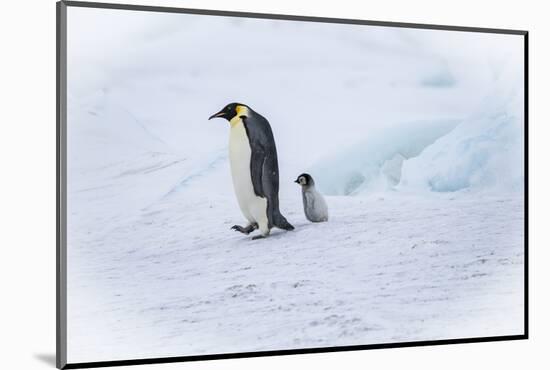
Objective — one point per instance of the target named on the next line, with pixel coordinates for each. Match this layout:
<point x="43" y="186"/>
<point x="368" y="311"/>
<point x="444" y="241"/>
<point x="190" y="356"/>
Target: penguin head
<point x="305" y="180"/>
<point x="230" y="111"/>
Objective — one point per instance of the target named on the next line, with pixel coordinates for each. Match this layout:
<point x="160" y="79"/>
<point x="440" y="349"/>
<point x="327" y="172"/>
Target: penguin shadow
<point x="278" y="234"/>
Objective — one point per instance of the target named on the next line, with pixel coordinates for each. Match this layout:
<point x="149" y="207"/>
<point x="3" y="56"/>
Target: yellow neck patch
<point x="241" y="111"/>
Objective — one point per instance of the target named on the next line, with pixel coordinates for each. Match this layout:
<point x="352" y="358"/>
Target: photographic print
<point x="239" y="184"/>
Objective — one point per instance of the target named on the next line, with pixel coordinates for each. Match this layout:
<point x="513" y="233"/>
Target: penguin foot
<point x="264" y="233"/>
<point x="245" y="230"/>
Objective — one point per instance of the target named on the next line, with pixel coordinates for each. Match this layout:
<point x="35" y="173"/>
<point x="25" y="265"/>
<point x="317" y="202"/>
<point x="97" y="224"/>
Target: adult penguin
<point x="254" y="169"/>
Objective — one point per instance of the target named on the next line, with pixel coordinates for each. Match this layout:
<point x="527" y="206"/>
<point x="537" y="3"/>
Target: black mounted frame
<point x="61" y="161"/>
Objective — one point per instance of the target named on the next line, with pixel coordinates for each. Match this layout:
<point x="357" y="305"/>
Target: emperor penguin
<point x="254" y="169"/>
<point x="315" y="207"/>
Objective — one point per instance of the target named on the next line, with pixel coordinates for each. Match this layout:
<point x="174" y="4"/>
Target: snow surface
<point x="415" y="136"/>
<point x="386" y="268"/>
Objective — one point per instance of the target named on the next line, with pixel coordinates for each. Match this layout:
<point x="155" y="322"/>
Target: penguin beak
<point x="296" y="181"/>
<point x="215" y="115"/>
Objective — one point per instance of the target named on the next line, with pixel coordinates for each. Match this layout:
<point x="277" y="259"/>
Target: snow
<point x="414" y="136"/>
<point x="386" y="268"/>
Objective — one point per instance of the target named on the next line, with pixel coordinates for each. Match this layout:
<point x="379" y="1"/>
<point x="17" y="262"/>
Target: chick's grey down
<point x="315" y="206"/>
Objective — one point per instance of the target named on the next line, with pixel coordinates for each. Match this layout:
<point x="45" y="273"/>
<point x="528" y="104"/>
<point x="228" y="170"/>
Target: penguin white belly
<point x="254" y="208"/>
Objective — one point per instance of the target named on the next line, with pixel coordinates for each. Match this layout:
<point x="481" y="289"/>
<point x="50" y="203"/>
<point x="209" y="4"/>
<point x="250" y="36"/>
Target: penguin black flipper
<point x="257" y="159"/>
<point x="264" y="167"/>
<point x="271" y="188"/>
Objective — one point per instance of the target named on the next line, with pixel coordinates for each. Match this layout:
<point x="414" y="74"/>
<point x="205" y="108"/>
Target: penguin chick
<point x="315" y="207"/>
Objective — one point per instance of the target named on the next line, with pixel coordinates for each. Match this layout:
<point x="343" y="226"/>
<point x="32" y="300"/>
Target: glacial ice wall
<point x="483" y="152"/>
<point x="480" y="152"/>
<point x="375" y="163"/>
